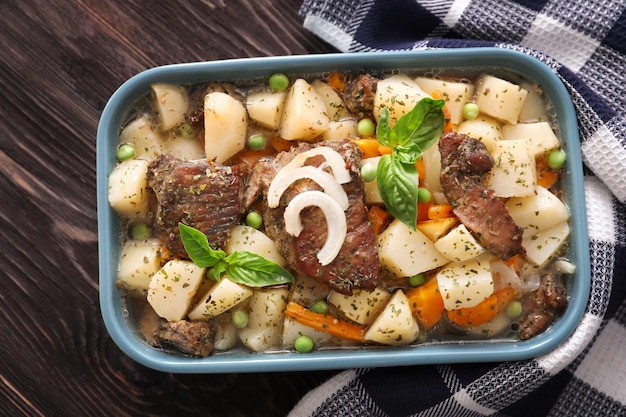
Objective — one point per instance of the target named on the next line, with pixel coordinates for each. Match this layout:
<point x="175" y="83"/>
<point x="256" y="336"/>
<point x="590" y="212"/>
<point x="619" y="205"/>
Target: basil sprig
<point x="241" y="267"/>
<point x="397" y="176"/>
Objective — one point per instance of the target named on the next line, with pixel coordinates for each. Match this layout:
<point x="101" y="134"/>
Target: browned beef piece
<point x="200" y="194"/>
<point x="194" y="338"/>
<point x="542" y="306"/>
<point x="357" y="264"/>
<point x="359" y="93"/>
<point x="464" y="164"/>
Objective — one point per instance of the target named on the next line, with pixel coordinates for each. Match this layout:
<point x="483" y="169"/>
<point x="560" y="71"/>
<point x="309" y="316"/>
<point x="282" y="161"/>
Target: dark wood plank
<point x="59" y="63"/>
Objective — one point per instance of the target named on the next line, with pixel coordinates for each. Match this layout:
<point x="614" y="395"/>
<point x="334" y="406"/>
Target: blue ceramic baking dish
<point x="239" y="69"/>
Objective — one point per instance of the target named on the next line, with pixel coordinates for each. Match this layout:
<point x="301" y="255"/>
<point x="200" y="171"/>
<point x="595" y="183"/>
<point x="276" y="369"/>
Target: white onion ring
<point x="286" y="177"/>
<point x="333" y="158"/>
<point x="335" y="220"/>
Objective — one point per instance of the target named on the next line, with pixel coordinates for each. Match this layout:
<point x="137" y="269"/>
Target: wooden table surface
<point x="59" y="63"/>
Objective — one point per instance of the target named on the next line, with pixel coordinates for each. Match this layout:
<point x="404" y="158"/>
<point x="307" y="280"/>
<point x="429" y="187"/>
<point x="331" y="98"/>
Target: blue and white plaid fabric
<point x="585" y="43"/>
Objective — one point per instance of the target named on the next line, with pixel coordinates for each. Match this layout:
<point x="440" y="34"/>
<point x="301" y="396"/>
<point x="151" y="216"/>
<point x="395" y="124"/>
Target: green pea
<point x="303" y="344"/>
<point x="320" y="307"/>
<point x="514" y="309"/>
<point x="140" y="231"/>
<point x="125" y="152"/>
<point x="470" y="111"/>
<point x="366" y="128"/>
<point x="556" y="158"/>
<point x="186" y="130"/>
<point x="240" y="319"/>
<point x="278" y="82"/>
<point x="368" y="172"/>
<point x="423" y="195"/>
<point x="257" y="142"/>
<point x="417" y="280"/>
<point x="254" y="219"/>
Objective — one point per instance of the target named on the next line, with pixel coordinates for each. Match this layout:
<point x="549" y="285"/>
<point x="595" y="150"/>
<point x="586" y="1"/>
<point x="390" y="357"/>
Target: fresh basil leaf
<point x="218" y="270"/>
<point x="197" y="246"/>
<point x="398" y="184"/>
<point x="385" y="134"/>
<point x="253" y="270"/>
<point x="422" y="125"/>
<point x="407" y="154"/>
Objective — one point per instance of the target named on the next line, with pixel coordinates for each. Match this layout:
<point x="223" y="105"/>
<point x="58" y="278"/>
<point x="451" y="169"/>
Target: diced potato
<point x="434" y="229"/>
<point x="306" y="290"/>
<point x="266" y="107"/>
<point x="395" y="325"/>
<point x="459" y="245"/>
<point x="171" y="104"/>
<point x="173" y="287"/>
<point x="141" y="133"/>
<point x="225" y="126"/>
<point x="304" y="117"/>
<point x="538" y="211"/>
<point x="184" y="148"/>
<point x="455" y="93"/>
<point x="265" y="318"/>
<point x="544" y="245"/>
<point x="222" y="296"/>
<point x="372" y="195"/>
<point x="534" y="109"/>
<point x="432" y="167"/>
<point x="249" y="239"/>
<point x="398" y="94"/>
<point x="226" y="333"/>
<point x="362" y="306"/>
<point x="465" y="284"/>
<point x="292" y="329"/>
<point x="335" y="107"/>
<point x="139" y="261"/>
<point x="340" y="129"/>
<point x="405" y="252"/>
<point x="129" y="194"/>
<point x="540" y="136"/>
<point x="514" y="171"/>
<point x="483" y="128"/>
<point x="500" y="98"/>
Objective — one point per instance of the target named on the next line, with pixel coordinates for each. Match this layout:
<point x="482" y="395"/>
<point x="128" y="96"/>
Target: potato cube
<point x="399" y="94"/>
<point x="500" y="98"/>
<point x="483" y="128"/>
<point x="185" y="148"/>
<point x="306" y="290"/>
<point x="459" y="245"/>
<point x="455" y="93"/>
<point x="340" y="129"/>
<point x="266" y="107"/>
<point x="372" y="195"/>
<point x="537" y="212"/>
<point x="292" y="329"/>
<point x="465" y="284"/>
<point x="514" y="171"/>
<point x="222" y="296"/>
<point x="544" y="245"/>
<point x="362" y="306"/>
<point x="129" y="194"/>
<point x="173" y="287"/>
<point x="335" y="107"/>
<point x="405" y="252"/>
<point x="540" y="136"/>
<point x="395" y="325"/>
<point x="171" y="104"/>
<point x="265" y="318"/>
<point x="139" y="261"/>
<point x="249" y="239"/>
<point x="304" y="117"/>
<point x="141" y="133"/>
<point x="225" y="126"/>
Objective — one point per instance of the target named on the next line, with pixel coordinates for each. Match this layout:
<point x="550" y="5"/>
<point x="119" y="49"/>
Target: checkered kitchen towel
<point x="586" y="375"/>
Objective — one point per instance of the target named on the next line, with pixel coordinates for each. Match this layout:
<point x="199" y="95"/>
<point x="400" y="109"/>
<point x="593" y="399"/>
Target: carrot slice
<point x="426" y="303"/>
<point x="282" y="145"/>
<point x="546" y="176"/>
<point x="384" y="150"/>
<point x="438" y="95"/>
<point x="250" y="157"/>
<point x="379" y="218"/>
<point x="325" y="323"/>
<point x="421" y="169"/>
<point x="337" y="80"/>
<point x="422" y="211"/>
<point x="369" y="147"/>
<point x="483" y="312"/>
<point x="439" y="211"/>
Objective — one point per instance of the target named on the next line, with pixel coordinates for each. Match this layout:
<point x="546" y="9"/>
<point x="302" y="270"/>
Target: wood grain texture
<point x="59" y="63"/>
